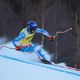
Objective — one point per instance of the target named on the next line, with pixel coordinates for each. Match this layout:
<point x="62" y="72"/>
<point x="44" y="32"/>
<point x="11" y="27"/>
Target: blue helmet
<point x="32" y="25"/>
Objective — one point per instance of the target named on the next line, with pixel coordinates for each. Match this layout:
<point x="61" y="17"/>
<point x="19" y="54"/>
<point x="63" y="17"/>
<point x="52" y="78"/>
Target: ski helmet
<point x="32" y="25"/>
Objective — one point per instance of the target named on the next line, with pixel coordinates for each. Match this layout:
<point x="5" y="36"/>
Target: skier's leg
<point x="29" y="48"/>
<point x="42" y="57"/>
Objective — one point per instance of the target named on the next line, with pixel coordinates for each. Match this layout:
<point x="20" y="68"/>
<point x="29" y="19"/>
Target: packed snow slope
<point x="15" y="65"/>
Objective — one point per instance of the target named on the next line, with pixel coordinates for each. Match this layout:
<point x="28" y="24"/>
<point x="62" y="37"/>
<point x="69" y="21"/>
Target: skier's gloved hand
<point x="52" y="38"/>
<point x="17" y="48"/>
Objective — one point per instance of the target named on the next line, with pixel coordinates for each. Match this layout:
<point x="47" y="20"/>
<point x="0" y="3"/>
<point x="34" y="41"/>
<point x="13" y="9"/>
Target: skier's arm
<point x="38" y="30"/>
<point x="20" y="36"/>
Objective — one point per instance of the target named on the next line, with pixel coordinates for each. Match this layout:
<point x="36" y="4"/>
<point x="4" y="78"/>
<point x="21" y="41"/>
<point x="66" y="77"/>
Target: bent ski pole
<point x="62" y="32"/>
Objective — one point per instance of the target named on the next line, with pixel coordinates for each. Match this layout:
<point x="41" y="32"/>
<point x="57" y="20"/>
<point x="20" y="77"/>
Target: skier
<point x="23" y="41"/>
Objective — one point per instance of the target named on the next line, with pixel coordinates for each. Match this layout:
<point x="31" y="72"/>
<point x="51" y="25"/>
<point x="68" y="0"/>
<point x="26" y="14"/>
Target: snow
<point x="3" y="40"/>
<point x="15" y="65"/>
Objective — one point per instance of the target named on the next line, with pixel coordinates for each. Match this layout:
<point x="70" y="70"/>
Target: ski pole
<point x="59" y="32"/>
<point x="6" y="47"/>
<point x="62" y="32"/>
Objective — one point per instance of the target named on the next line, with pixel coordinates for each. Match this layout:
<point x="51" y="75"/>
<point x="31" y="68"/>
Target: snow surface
<point x="3" y="40"/>
<point x="27" y="66"/>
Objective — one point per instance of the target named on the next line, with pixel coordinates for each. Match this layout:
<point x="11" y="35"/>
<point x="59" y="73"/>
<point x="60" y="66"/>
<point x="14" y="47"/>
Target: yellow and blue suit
<point x="23" y="40"/>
